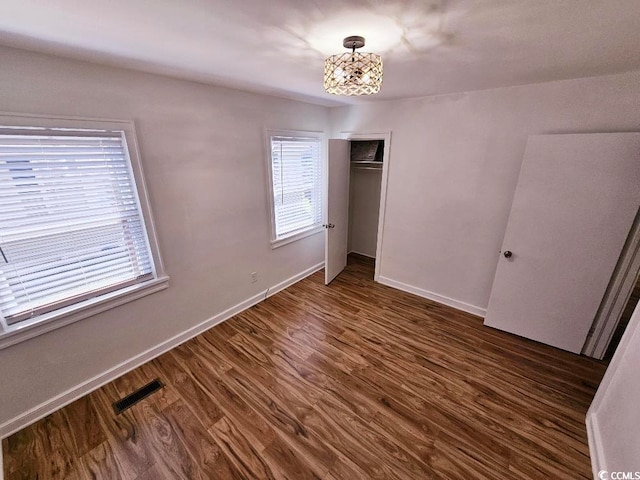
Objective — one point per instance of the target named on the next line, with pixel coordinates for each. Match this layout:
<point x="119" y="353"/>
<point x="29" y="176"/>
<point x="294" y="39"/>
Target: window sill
<point x="51" y="321"/>
<point x="296" y="236"/>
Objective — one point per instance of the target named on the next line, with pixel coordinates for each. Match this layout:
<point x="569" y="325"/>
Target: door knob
<point x="507" y="254"/>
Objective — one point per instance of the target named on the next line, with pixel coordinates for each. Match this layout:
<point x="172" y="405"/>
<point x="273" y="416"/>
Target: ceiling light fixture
<point x="353" y="73"/>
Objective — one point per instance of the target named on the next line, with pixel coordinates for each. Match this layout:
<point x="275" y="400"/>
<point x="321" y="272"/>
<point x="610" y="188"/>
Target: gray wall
<point x="364" y="209"/>
<point x="454" y="163"/>
<point x="203" y="154"/>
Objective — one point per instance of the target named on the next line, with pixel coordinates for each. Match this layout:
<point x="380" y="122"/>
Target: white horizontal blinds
<point x="297" y="183"/>
<point x="70" y="223"/>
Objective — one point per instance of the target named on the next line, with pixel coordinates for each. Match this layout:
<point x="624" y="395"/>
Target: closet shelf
<point x="363" y="167"/>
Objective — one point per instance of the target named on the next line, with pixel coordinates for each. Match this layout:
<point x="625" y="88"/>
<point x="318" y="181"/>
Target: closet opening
<point x="624" y="320"/>
<point x="365" y="184"/>
<point x="619" y="301"/>
<point x="357" y="169"/>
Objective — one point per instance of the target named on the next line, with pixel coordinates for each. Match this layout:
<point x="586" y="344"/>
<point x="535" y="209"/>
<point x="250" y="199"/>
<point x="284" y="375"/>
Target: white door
<point x="574" y="205"/>
<point x="337" y="225"/>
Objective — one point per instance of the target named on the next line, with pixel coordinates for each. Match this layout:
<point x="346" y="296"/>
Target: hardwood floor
<point x="351" y="381"/>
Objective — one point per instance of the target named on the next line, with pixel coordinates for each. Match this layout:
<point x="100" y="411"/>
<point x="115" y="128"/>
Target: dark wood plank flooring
<point x="351" y="381"/>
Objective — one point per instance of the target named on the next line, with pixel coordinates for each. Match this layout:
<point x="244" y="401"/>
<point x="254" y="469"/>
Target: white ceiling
<point x="278" y="46"/>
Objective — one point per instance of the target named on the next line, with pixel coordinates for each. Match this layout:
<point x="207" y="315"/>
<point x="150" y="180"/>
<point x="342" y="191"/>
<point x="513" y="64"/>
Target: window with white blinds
<point x="296" y="175"/>
<point x="71" y="226"/>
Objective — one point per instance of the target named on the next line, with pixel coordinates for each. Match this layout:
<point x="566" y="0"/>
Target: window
<point x="72" y="228"/>
<point x="295" y="167"/>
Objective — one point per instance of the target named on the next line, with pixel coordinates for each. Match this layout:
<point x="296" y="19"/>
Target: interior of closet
<point x="364" y="196"/>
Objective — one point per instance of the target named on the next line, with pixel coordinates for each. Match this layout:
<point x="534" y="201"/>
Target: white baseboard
<point x="111" y="374"/>
<point x="363" y="254"/>
<point x="74" y="393"/>
<point x="296" y="278"/>
<point x="451" y="302"/>
<point x="595" y="445"/>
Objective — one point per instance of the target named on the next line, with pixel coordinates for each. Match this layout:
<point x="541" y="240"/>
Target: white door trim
<point x="616" y="297"/>
<point x="596" y="447"/>
<point x="386" y="136"/>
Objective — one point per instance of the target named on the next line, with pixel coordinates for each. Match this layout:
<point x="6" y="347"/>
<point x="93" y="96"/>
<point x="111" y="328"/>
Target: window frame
<point x="314" y="229"/>
<point x="26" y="329"/>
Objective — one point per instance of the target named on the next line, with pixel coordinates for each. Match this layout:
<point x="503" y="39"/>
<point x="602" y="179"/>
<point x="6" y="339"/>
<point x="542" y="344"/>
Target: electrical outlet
<point x="254" y="277"/>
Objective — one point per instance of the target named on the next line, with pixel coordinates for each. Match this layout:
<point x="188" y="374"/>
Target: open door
<point x="574" y="206"/>
<point x="337" y="225"/>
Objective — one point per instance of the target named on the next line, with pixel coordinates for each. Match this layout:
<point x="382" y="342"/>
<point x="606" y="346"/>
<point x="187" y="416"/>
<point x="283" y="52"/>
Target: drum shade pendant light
<point x="353" y="73"/>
